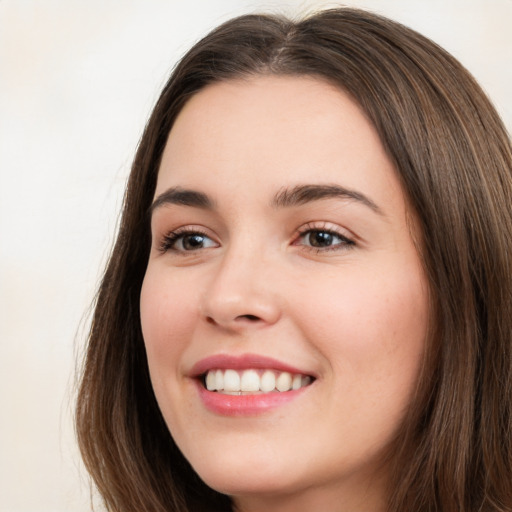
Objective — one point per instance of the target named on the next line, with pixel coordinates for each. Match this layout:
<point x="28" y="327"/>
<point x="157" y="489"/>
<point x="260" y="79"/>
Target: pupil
<point x="193" y="241"/>
<point x="320" y="239"/>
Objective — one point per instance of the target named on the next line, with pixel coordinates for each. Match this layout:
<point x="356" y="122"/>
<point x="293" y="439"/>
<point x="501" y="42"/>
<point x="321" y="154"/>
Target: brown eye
<point x="321" y="238"/>
<point x="186" y="242"/>
<point x="324" y="239"/>
<point x="192" y="242"/>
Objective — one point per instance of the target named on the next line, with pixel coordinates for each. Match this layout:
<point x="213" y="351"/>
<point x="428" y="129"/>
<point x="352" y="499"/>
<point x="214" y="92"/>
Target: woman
<point x="308" y="304"/>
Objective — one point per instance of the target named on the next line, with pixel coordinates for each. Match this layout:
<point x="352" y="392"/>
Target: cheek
<point x="371" y="326"/>
<point x="167" y="319"/>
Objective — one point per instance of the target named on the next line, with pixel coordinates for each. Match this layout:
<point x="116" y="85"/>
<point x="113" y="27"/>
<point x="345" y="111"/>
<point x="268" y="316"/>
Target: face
<point x="284" y="307"/>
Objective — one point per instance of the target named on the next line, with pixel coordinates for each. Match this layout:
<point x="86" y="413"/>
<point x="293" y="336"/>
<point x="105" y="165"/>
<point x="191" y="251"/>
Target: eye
<point x="323" y="239"/>
<point x="186" y="241"/>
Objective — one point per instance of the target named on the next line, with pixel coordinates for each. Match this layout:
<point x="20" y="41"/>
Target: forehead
<point x="266" y="132"/>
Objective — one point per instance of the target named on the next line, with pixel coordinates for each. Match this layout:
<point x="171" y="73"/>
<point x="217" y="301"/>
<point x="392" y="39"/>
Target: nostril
<point x="252" y="318"/>
<point x="249" y="318"/>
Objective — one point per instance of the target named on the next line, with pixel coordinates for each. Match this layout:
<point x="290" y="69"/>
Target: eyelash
<point x="345" y="242"/>
<point x="169" y="241"/>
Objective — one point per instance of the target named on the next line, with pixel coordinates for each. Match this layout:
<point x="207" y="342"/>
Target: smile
<point x="253" y="381"/>
<point x="248" y="384"/>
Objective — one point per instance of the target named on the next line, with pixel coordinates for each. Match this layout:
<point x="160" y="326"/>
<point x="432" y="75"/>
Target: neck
<point x="368" y="496"/>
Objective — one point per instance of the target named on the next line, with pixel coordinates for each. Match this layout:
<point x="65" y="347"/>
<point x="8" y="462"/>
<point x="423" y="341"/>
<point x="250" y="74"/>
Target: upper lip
<point x="242" y="362"/>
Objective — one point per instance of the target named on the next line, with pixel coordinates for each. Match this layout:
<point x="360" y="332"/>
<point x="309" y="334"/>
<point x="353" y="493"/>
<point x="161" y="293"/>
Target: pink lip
<point x="243" y="405"/>
<point x="242" y="362"/>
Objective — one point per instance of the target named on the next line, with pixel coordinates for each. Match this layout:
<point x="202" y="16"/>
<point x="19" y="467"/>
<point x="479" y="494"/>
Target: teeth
<point x="284" y="382"/>
<point x="219" y="379"/>
<point x="268" y="382"/>
<point x="254" y="381"/>
<point x="231" y="380"/>
<point x="211" y="383"/>
<point x="250" y="381"/>
<point x="297" y="381"/>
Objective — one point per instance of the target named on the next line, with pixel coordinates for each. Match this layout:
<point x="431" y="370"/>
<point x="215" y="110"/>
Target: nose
<point x="242" y="293"/>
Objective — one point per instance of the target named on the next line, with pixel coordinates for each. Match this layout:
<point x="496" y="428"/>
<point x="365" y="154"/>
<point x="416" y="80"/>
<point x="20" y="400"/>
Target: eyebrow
<point x="184" y="197"/>
<point x="302" y="194"/>
<point x="285" y="198"/>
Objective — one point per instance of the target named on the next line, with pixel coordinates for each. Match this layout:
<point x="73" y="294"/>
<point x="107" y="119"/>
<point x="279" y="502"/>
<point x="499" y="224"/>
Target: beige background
<point x="77" y="81"/>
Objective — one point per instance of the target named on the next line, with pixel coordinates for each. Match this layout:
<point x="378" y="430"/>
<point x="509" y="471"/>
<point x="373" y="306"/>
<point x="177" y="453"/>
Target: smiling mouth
<point x="253" y="381"/>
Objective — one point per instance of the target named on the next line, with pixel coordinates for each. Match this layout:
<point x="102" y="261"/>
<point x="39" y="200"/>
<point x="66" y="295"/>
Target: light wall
<point x="77" y="81"/>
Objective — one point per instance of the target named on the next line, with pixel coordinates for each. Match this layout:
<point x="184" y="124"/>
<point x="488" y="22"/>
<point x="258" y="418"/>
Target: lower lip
<point x="245" y="405"/>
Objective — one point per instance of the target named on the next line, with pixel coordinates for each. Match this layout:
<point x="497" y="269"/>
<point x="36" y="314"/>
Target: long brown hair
<point x="454" y="159"/>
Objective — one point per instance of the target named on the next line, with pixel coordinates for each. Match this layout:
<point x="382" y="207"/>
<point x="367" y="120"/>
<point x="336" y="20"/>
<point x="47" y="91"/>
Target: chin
<point x="246" y="476"/>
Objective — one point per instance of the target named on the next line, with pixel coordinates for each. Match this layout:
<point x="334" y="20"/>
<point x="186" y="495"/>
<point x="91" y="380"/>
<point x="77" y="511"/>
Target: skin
<point x="353" y="315"/>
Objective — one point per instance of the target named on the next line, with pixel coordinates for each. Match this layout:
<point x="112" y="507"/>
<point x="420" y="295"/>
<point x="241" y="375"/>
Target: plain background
<point x="77" y="82"/>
